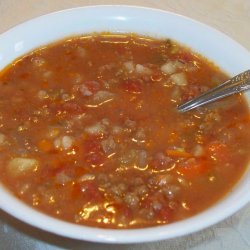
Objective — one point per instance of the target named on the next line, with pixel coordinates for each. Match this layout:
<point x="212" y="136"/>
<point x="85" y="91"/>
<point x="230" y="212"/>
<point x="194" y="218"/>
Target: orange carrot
<point x="45" y="145"/>
<point x="178" y="153"/>
<point x="192" y="167"/>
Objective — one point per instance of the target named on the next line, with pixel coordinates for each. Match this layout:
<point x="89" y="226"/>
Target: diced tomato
<point x="148" y="200"/>
<point x="127" y="212"/>
<point x="92" y="144"/>
<point x="185" y="56"/>
<point x="58" y="165"/>
<point x="51" y="170"/>
<point x="95" y="158"/>
<point x="123" y="210"/>
<point x="91" y="191"/>
<point x="165" y="213"/>
<point x="146" y="203"/>
<point x="94" y="153"/>
<point x="132" y="86"/>
<point x="76" y="191"/>
<point x="160" y="161"/>
<point x="92" y="86"/>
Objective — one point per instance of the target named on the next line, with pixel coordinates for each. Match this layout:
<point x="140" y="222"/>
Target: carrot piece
<point x="178" y="153"/>
<point x="45" y="145"/>
<point x="192" y="167"/>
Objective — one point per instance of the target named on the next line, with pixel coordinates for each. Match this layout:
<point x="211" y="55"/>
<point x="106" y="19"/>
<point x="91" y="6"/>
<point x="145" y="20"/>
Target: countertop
<point x="229" y="16"/>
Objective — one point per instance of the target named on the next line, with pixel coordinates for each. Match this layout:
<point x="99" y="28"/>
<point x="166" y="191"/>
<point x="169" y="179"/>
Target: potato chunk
<point x="18" y="166"/>
<point x="2" y="139"/>
<point x="171" y="67"/>
<point x="179" y="79"/>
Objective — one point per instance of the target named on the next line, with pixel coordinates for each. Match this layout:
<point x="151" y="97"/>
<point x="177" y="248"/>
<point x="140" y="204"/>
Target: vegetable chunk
<point x="18" y="166"/>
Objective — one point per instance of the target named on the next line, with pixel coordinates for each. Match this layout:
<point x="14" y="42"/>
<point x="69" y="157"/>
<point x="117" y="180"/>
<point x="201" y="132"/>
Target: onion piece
<point x="42" y="94"/>
<point x="64" y="142"/>
<point x="140" y="69"/>
<point x="96" y="129"/>
<point x="179" y="79"/>
<point x="2" y="139"/>
<point x="86" y="177"/>
<point x="130" y="67"/>
<point x="171" y="67"/>
<point x="62" y="178"/>
<point x="18" y="166"/>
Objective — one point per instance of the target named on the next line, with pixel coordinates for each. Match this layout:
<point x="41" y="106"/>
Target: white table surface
<point x="230" y="16"/>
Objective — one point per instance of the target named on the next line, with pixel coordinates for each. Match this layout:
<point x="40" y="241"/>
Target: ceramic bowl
<point x="217" y="47"/>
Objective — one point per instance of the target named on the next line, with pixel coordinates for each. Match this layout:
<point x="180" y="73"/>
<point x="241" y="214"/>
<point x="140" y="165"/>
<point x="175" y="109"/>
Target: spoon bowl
<point x="235" y="85"/>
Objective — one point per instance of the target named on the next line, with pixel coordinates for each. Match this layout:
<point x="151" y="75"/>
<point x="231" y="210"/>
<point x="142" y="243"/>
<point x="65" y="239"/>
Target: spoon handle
<point x="237" y="84"/>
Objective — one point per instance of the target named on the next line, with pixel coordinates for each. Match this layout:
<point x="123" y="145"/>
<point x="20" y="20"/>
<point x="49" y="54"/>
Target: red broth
<point x="89" y="132"/>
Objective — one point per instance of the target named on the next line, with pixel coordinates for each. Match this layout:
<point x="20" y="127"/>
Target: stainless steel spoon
<point x="237" y="84"/>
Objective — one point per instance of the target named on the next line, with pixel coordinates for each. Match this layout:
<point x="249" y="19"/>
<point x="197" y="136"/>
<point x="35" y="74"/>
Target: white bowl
<point x="219" y="48"/>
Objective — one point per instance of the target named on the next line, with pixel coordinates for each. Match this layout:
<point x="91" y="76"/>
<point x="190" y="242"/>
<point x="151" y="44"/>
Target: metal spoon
<point x="237" y="84"/>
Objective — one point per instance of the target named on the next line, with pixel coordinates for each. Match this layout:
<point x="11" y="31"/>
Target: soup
<point x="90" y="133"/>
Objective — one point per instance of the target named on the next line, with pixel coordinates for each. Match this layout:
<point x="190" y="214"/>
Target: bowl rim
<point x="66" y="229"/>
